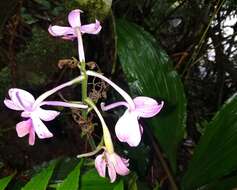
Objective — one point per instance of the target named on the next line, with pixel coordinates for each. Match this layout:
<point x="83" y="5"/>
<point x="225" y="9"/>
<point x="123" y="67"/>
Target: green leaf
<point x="72" y="180"/>
<point x="225" y="184"/>
<point x="92" y="181"/>
<point x="216" y="154"/>
<point x="150" y="73"/>
<point x="139" y="158"/>
<point x="5" y="181"/>
<point x="41" y="180"/>
<point x="119" y="186"/>
<point x="132" y="182"/>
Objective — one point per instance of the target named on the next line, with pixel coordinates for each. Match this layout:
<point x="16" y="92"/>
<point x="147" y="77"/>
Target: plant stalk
<point x="162" y="160"/>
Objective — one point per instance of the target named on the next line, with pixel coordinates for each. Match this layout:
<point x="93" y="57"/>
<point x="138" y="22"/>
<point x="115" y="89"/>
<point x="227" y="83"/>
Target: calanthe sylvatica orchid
<point x="128" y="128"/>
<point x="21" y="100"/>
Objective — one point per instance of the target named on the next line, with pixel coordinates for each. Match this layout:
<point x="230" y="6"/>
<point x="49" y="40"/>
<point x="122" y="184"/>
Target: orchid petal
<point x="23" y="128"/>
<point x="127" y="129"/>
<point x="113" y="105"/>
<point x="125" y="161"/>
<point x="31" y="136"/>
<point x="40" y="128"/>
<point x="121" y="166"/>
<point x="93" y="28"/>
<point x="26" y="114"/>
<point x="61" y="31"/>
<point x="47" y="115"/>
<point x="111" y="171"/>
<point x="147" y="107"/>
<point x="21" y="98"/>
<point x="64" y="104"/>
<point x="69" y="37"/>
<point x="100" y="165"/>
<point x="74" y="18"/>
<point x="10" y="104"/>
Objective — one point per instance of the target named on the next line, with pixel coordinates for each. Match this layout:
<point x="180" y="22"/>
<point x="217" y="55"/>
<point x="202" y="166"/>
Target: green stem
<point x="84" y="87"/>
<point x="84" y="82"/>
<point x="106" y="134"/>
<point x="159" y="155"/>
<point x="97" y="149"/>
<point x="82" y="67"/>
<point x="91" y="141"/>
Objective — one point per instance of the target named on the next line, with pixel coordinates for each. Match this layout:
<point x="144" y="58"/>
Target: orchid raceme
<point x="21" y="100"/>
<point x="75" y="30"/>
<point x="128" y="128"/>
<point x="114" y="163"/>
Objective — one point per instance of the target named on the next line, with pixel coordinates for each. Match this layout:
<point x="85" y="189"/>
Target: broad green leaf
<point x="157" y="186"/>
<point x="92" y="181"/>
<point x="132" y="182"/>
<point x="64" y="167"/>
<point x="150" y="73"/>
<point x="119" y="186"/>
<point x="5" y="181"/>
<point x="224" y="184"/>
<point x="216" y="154"/>
<point x="72" y="180"/>
<point x="41" y="180"/>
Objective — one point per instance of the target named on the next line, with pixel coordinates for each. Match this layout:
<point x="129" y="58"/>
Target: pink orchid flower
<point x="115" y="163"/>
<point x="128" y="128"/>
<point x="21" y="100"/>
<point x="69" y="32"/>
<point x="75" y="30"/>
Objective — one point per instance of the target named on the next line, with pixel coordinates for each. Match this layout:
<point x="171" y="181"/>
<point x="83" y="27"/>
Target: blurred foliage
<point x="7" y="7"/>
<point x="40" y="57"/>
<point x="5" y="83"/>
<point x="96" y="9"/>
<point x="4" y="181"/>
